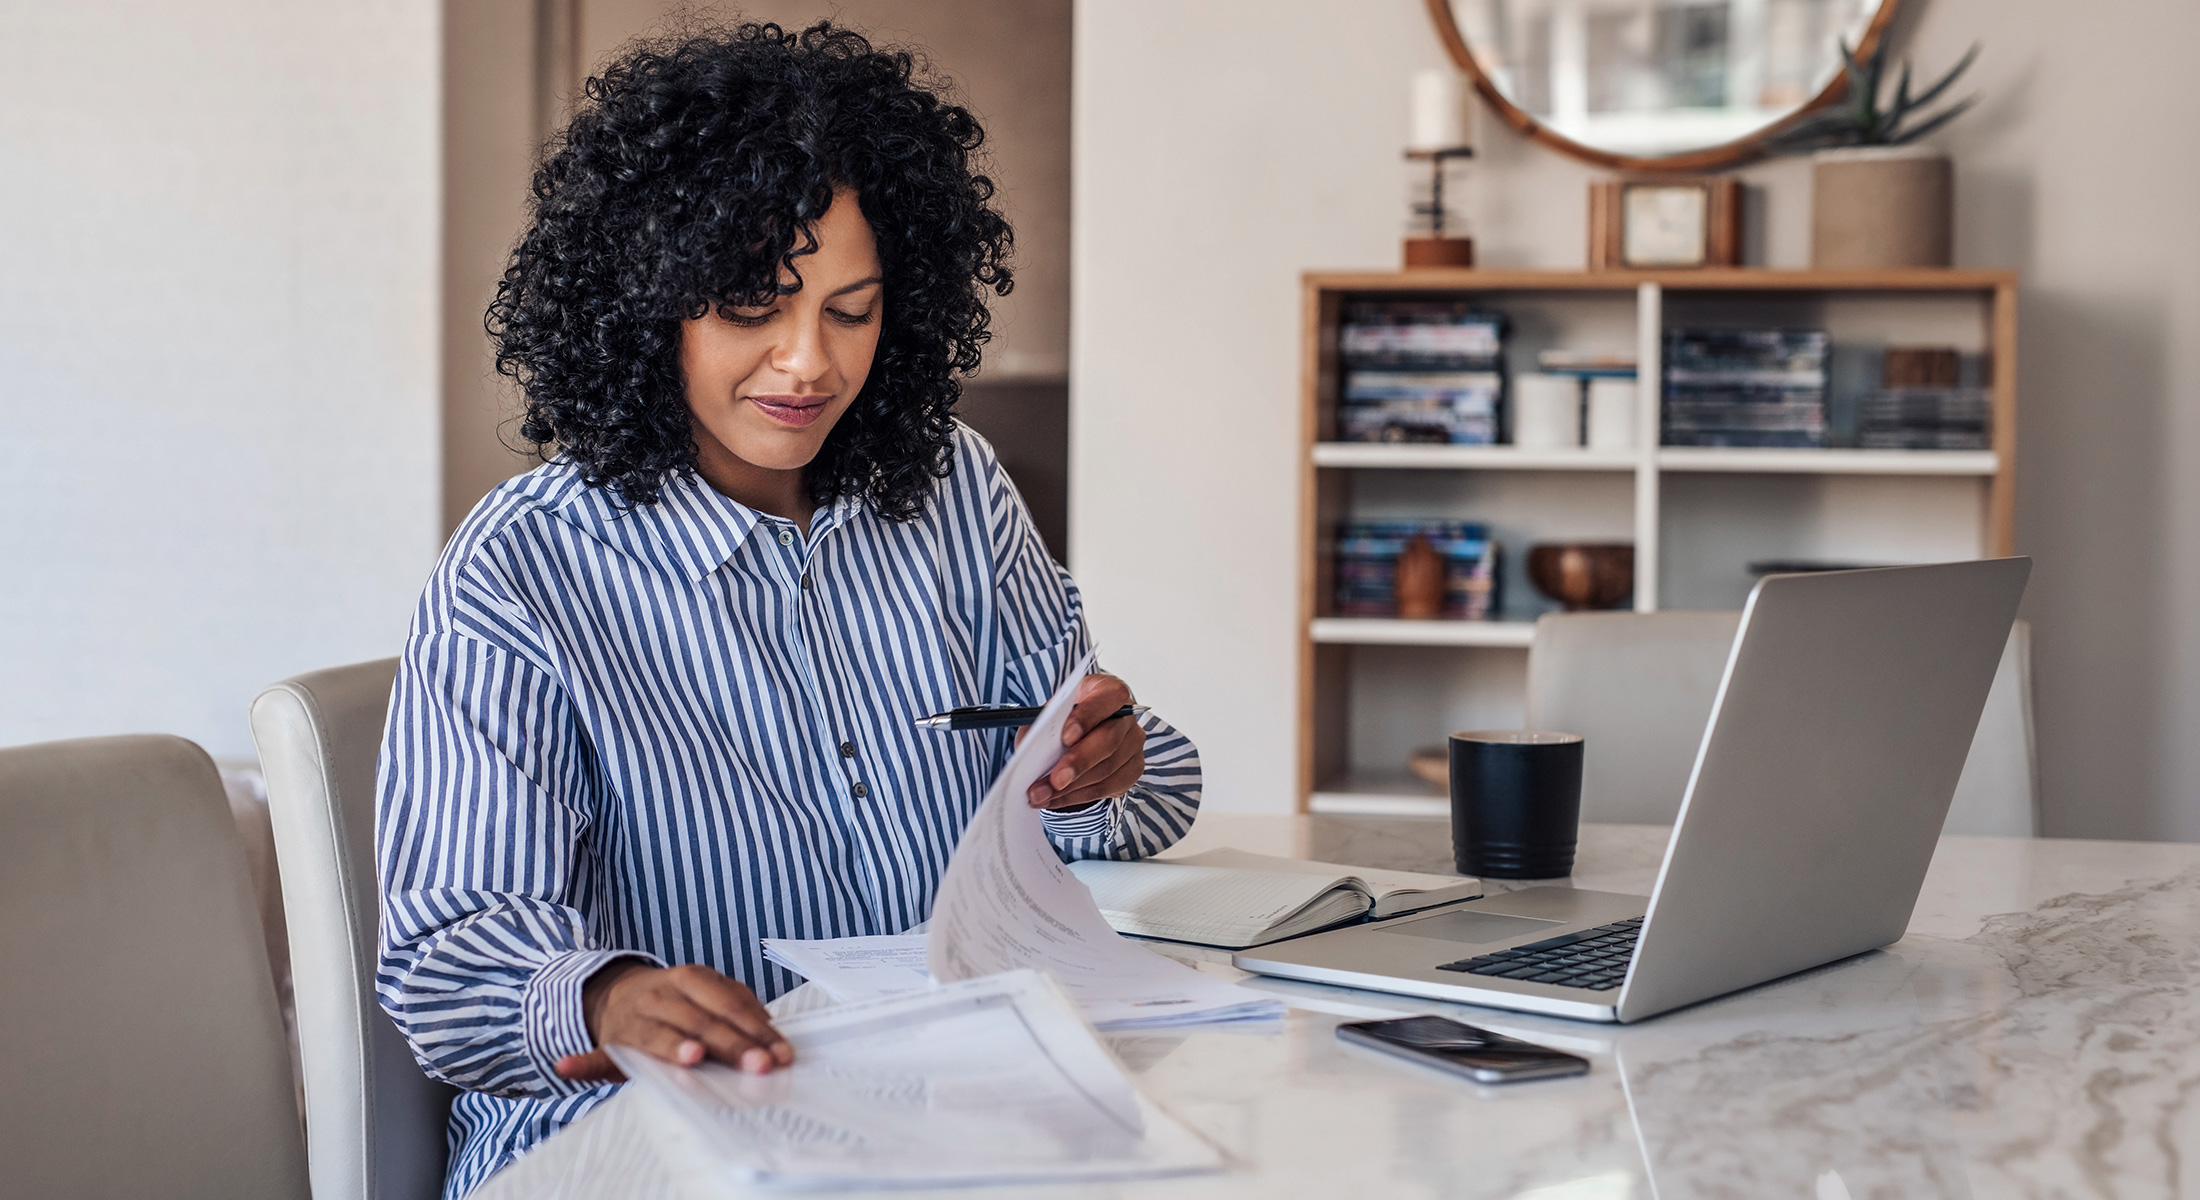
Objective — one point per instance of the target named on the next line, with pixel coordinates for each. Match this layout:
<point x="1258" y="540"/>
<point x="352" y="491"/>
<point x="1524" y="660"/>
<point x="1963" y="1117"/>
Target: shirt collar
<point x="700" y="527"/>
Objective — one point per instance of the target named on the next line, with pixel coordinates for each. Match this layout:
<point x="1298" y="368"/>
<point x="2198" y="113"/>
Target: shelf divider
<point x="1829" y="462"/>
<point x="1380" y="455"/>
<point x="1395" y="631"/>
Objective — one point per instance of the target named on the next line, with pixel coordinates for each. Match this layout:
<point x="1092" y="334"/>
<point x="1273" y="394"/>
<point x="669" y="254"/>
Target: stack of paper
<point x="1159" y="995"/>
<point x="1007" y="903"/>
<point x="990" y="1081"/>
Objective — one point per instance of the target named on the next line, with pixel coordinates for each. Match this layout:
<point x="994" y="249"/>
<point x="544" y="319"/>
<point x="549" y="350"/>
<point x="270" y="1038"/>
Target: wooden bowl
<point x="1583" y="575"/>
<point x="1433" y="765"/>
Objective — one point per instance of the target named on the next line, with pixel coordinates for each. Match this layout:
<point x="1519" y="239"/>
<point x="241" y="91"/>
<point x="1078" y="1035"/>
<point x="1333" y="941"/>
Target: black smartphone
<point x="1478" y="1054"/>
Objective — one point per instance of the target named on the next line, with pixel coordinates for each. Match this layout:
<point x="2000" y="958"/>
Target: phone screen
<point x="1460" y="1049"/>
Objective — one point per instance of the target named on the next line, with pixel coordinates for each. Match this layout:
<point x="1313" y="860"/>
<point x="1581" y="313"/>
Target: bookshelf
<point x="1372" y="688"/>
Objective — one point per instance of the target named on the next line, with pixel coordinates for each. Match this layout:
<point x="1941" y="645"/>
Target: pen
<point x="997" y="716"/>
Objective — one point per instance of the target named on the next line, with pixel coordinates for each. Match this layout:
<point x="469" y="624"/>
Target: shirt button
<point x="847" y="749"/>
<point x="805" y="581"/>
<point x="859" y="791"/>
<point x="786" y="537"/>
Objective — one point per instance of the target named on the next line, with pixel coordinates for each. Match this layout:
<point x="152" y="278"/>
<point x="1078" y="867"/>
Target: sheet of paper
<point x="988" y="1081"/>
<point x="856" y="968"/>
<point x="1006" y="902"/>
<point x="892" y="966"/>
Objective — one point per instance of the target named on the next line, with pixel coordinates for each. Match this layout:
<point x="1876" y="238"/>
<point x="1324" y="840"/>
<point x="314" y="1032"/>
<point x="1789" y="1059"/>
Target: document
<point x="992" y="1080"/>
<point x="1007" y="902"/>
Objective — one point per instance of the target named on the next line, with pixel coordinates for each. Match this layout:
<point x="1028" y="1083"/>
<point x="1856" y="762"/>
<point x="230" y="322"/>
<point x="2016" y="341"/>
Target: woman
<point x="656" y="702"/>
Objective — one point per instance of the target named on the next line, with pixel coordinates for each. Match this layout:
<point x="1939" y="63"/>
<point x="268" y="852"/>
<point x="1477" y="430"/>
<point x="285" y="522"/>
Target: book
<point x="1925" y="418"/>
<point x="1761" y="387"/>
<point x="1232" y="899"/>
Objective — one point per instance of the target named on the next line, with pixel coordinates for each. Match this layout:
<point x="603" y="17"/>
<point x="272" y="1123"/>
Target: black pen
<point x="998" y="716"/>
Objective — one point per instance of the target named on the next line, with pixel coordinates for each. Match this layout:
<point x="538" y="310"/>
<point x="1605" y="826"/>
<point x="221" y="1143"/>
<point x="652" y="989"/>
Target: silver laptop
<point x="1841" y="726"/>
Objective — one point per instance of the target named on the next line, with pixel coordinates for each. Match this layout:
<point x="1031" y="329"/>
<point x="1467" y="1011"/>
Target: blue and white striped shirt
<point x="676" y="729"/>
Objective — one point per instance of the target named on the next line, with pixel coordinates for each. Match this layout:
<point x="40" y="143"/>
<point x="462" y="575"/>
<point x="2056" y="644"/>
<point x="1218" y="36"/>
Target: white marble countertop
<point x="2036" y="1034"/>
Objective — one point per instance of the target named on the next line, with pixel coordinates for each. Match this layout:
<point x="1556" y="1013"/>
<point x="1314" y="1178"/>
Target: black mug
<point x="1515" y="803"/>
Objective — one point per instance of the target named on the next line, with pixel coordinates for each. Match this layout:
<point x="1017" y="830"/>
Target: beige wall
<point x="1223" y="148"/>
<point x="1010" y="60"/>
<point x="491" y="127"/>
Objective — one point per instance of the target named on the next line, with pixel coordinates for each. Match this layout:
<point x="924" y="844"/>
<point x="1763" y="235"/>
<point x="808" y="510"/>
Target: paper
<point x="993" y="1080"/>
<point x="856" y="968"/>
<point x="1006" y="902"/>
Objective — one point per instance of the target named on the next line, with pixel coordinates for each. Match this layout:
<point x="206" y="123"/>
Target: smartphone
<point x="1478" y="1054"/>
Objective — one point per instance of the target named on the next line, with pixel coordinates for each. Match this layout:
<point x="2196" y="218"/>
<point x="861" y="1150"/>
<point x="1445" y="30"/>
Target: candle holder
<point x="1435" y="236"/>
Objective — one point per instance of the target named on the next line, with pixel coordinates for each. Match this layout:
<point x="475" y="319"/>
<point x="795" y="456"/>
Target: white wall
<point x="1219" y="149"/>
<point x="217" y="353"/>
<point x="1222" y="148"/>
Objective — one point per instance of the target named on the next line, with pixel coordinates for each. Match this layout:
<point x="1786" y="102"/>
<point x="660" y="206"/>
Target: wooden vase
<point x="1419" y="582"/>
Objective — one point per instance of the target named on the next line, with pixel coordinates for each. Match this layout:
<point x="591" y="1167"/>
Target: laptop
<point x="1842" y="723"/>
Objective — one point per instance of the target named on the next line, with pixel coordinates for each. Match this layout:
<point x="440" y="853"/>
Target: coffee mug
<point x="1515" y="802"/>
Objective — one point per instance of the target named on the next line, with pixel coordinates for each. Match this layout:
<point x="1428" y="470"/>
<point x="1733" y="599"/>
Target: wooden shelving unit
<point x="1688" y="510"/>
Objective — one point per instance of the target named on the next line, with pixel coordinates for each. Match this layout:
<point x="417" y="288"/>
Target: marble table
<point x="2036" y="1034"/>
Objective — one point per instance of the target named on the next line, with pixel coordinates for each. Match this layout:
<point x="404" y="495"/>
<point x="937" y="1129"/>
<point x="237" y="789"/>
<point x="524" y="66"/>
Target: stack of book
<point x="1367" y="566"/>
<point x="1420" y="371"/>
<point x="1758" y="387"/>
<point x="1924" y="418"/>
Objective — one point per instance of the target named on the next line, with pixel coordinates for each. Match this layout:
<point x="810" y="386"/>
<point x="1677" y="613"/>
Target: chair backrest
<point x="1638" y="687"/>
<point x="376" y="1126"/>
<point x="141" y="1047"/>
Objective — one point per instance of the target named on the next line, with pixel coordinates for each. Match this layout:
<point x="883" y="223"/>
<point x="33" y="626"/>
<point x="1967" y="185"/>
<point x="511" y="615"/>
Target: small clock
<point x="1664" y="224"/>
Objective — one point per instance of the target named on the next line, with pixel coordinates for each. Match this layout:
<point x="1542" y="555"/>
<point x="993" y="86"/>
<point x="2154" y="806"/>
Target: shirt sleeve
<point x="1043" y="624"/>
<point x="484" y="798"/>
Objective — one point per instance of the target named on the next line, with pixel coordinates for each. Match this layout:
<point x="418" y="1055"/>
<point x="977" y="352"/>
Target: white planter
<point x="1882" y="206"/>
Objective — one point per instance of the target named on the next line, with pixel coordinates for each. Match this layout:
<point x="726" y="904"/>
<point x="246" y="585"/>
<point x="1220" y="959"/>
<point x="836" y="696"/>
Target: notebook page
<point x="1199" y="903"/>
<point x="1394" y="891"/>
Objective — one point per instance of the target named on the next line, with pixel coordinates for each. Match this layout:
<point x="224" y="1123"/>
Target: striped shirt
<point x="675" y="729"/>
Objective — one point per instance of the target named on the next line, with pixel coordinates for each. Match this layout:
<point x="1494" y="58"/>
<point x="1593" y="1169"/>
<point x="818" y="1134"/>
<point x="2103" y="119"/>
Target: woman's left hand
<point x="1102" y="754"/>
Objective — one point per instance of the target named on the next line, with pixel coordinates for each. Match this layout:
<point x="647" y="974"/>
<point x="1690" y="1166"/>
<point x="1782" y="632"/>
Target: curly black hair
<point x="693" y="173"/>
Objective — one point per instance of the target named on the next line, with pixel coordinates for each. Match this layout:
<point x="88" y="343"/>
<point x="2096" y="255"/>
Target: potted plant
<point x="1878" y="199"/>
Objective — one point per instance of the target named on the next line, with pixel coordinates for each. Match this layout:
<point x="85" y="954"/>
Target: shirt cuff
<point x="1096" y="819"/>
<point x="551" y="1022"/>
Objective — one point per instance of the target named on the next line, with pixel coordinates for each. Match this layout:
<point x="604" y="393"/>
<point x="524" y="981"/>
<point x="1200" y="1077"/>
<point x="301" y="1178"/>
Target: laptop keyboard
<point x="1595" y="959"/>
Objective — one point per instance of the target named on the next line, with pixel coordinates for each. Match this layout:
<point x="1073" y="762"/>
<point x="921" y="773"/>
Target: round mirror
<point x="1657" y="84"/>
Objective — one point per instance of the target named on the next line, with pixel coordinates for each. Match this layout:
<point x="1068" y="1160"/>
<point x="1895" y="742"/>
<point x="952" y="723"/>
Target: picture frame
<point x="1665" y="223"/>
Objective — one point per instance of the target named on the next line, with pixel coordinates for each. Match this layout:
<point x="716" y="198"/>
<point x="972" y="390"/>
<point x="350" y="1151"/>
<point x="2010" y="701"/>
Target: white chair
<point x="1639" y="687"/>
<point x="376" y="1125"/>
<point x="141" y="1050"/>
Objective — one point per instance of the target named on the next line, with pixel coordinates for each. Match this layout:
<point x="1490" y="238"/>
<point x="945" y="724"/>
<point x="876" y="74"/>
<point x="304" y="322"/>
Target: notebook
<point x="1233" y="899"/>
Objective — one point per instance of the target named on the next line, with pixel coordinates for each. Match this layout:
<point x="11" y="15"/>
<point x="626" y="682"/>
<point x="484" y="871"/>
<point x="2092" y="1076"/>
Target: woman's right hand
<point x="679" y="1014"/>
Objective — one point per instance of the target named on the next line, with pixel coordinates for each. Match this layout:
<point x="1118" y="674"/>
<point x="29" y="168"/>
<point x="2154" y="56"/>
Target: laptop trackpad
<point x="1470" y="927"/>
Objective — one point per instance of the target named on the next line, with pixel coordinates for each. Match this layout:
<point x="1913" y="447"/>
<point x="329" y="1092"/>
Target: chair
<point x="376" y="1125"/>
<point x="1639" y="688"/>
<point x="142" y="1052"/>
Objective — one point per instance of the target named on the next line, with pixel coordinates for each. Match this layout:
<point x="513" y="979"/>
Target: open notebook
<point x="1234" y="899"/>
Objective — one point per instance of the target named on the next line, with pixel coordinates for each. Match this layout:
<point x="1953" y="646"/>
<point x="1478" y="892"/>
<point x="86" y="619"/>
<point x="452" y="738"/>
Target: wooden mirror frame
<point x="1710" y="158"/>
